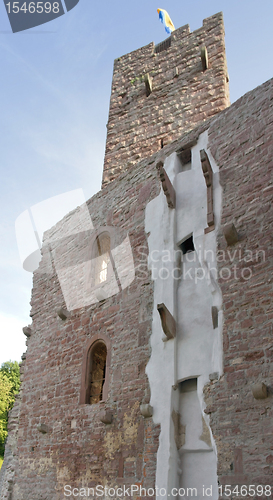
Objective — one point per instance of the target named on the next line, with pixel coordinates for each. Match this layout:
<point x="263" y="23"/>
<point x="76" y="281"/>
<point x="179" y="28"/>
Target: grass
<point x="1" y="461"/>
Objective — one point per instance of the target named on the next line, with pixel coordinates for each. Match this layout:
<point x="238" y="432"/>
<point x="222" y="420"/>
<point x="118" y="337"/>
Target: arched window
<point x="97" y="366"/>
<point x="101" y="255"/>
<point x="95" y="370"/>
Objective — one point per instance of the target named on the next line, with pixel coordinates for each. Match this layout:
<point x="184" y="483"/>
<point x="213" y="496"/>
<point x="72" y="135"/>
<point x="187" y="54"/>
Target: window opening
<point x="188" y="385"/>
<point x="187" y="245"/>
<point x="102" y="258"/>
<point x="184" y="158"/>
<point x="97" y="372"/>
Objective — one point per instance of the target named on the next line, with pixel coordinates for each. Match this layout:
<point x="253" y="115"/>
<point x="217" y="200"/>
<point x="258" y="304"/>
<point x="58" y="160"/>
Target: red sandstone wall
<point x="78" y="448"/>
<point x="183" y="95"/>
<point x="241" y="141"/>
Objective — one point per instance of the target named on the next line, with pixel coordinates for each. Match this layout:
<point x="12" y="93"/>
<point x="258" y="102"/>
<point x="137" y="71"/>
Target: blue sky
<point x="55" y="87"/>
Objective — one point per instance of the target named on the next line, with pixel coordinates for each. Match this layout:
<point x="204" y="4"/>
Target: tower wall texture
<point x="182" y="96"/>
<point x="79" y="449"/>
<point x="240" y="140"/>
<point x="56" y="439"/>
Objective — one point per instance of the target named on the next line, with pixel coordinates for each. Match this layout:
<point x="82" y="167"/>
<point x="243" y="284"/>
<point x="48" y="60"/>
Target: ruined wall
<point x="54" y="440"/>
<point x="240" y="140"/>
<point x="240" y="150"/>
<point x="60" y="441"/>
<point x="182" y="96"/>
<point x="78" y="448"/>
<point x="184" y="284"/>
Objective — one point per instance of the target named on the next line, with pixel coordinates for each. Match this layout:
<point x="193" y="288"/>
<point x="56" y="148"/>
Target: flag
<point x="166" y="20"/>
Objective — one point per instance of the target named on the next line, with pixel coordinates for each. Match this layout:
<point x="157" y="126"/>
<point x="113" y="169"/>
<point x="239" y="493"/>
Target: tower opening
<point x="97" y="372"/>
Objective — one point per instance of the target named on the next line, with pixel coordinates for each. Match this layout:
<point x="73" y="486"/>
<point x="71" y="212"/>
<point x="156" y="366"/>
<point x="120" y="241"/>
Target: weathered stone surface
<point x="183" y="95"/>
<point x="240" y="140"/>
<point x="106" y="416"/>
<point x="148" y="84"/>
<point x="259" y="391"/>
<point x="167" y="321"/>
<point x="230" y="234"/>
<point x="81" y="449"/>
<point x="167" y="186"/>
<point x="63" y="313"/>
<point x="125" y="449"/>
<point x="214" y="376"/>
<point x="146" y="410"/>
<point x="43" y="428"/>
<point x="27" y="331"/>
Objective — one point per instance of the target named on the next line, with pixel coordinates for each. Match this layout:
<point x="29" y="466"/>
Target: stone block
<point x="43" y="428"/>
<point x="230" y="234"/>
<point x="167" y="186"/>
<point x="146" y="410"/>
<point x="63" y="314"/>
<point x="106" y="416"/>
<point x="148" y="84"/>
<point x="259" y="391"/>
<point x="27" y="331"/>
<point x="167" y="320"/>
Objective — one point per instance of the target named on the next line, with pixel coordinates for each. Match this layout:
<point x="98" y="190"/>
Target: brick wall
<point x="78" y="449"/>
<point x="183" y="95"/>
<point x="241" y="141"/>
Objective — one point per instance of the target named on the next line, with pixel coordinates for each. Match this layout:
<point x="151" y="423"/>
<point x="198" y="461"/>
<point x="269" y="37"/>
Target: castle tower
<point x="159" y="92"/>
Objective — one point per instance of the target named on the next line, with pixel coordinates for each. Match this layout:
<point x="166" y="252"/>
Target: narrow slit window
<point x="102" y="258"/>
<point x="97" y="372"/>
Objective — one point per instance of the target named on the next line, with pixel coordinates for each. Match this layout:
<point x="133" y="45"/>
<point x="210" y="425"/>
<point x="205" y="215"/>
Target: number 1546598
<point x="33" y="7"/>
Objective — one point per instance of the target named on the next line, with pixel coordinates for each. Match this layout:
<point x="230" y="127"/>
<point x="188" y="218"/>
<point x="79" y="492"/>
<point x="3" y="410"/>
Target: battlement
<point x="161" y="91"/>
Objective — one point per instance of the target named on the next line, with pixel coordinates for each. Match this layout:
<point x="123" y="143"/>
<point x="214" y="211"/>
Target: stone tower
<point x="149" y="353"/>
<point x="162" y="91"/>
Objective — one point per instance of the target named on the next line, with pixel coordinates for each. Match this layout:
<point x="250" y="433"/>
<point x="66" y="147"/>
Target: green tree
<point x="5" y="403"/>
<point x="9" y="386"/>
<point x="12" y="371"/>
